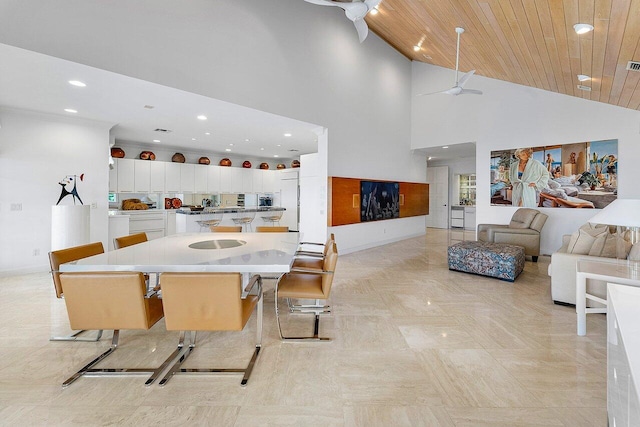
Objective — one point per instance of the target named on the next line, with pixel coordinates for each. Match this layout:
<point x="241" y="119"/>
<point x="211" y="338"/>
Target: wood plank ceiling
<point x="528" y="42"/>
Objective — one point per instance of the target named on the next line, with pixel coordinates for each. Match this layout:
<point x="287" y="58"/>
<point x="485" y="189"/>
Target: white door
<point x="438" y="179"/>
<point x="289" y="201"/>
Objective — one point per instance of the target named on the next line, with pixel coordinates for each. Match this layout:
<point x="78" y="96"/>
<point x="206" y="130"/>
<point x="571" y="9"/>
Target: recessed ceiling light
<point x="583" y="77"/>
<point x="278" y="145"/>
<point x="247" y="140"/>
<point x="231" y="145"/>
<point x="582" y="28"/>
<point x="207" y="133"/>
<point x="70" y="110"/>
<point x="262" y="149"/>
<point x="287" y="134"/>
<point x="445" y="146"/>
<point x="77" y="83"/>
<point x="156" y="140"/>
<point x="227" y="149"/>
<point x="202" y="117"/>
<point x="416" y="48"/>
<point x="275" y="155"/>
<point x="193" y="139"/>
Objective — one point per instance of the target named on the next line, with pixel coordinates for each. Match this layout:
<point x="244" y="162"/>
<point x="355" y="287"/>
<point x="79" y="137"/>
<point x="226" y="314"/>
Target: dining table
<point x="245" y="253"/>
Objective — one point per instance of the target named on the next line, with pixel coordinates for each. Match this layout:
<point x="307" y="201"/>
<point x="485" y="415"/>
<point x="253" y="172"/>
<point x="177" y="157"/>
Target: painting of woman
<point x="528" y="177"/>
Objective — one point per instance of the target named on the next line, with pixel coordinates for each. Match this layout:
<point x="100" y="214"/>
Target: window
<point x="467" y="189"/>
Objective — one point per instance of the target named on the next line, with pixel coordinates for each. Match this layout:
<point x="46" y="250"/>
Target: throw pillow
<point x="610" y="249"/>
<point x="580" y="243"/>
<point x="598" y="245"/>
<point x="634" y="253"/>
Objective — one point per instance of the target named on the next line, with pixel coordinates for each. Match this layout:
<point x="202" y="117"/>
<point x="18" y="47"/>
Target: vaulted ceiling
<point x="528" y="42"/>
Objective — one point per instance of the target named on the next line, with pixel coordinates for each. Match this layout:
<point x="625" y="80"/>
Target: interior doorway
<point x="438" y="179"/>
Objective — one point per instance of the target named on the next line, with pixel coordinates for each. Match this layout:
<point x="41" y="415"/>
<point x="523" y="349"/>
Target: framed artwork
<point x="581" y="175"/>
<point x="379" y="200"/>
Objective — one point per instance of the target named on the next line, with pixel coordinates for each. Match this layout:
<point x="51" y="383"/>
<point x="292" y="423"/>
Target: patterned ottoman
<point x="499" y="260"/>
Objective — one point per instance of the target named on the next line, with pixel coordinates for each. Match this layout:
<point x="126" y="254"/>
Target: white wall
<point x="36" y="152"/>
<point x="286" y="57"/>
<point x="511" y="116"/>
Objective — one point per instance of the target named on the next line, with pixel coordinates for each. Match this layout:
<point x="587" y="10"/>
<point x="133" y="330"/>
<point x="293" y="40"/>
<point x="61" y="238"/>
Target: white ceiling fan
<point x="458" y="87"/>
<point x="355" y="11"/>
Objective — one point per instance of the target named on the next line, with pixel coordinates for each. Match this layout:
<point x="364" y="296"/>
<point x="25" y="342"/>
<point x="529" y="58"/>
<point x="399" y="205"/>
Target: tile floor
<point x="414" y="345"/>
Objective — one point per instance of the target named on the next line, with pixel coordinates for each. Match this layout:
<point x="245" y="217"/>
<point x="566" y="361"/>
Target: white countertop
<point x="261" y="252"/>
<point x="626" y="300"/>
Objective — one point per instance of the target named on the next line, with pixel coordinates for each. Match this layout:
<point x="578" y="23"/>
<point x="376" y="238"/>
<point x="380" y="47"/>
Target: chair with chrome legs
<point x="67" y="255"/>
<point x="134" y="239"/>
<point x="110" y="300"/>
<point x="226" y="229"/>
<point x="271" y="229"/>
<point x="209" y="302"/>
<point x="307" y="283"/>
<point x="312" y="259"/>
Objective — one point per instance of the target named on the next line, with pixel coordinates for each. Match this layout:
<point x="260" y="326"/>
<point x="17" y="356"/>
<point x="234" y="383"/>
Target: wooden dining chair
<point x="68" y="255"/>
<point x="227" y="229"/>
<point x="110" y="300"/>
<point x="130" y="240"/>
<point x="209" y="302"/>
<point x="307" y="283"/>
<point x="273" y="229"/>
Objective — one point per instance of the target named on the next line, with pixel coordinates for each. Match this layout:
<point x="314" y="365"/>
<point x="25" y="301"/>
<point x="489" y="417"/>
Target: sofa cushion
<point x="610" y="248"/>
<point x="634" y="253"/>
<point x="585" y="238"/>
<point x="522" y="218"/>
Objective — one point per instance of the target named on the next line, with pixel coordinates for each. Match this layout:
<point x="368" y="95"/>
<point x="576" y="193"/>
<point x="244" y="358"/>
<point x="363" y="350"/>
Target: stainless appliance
<point x="266" y="201"/>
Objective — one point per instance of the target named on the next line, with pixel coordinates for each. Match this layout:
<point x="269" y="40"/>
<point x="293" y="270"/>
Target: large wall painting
<point x="578" y="175"/>
<point x="380" y="200"/>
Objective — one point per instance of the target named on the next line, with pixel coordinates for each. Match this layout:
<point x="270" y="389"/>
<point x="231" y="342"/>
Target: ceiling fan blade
<point x="470" y="92"/>
<point x="362" y="28"/>
<point x="447" y="92"/>
<point x="323" y="2"/>
<point x="466" y="77"/>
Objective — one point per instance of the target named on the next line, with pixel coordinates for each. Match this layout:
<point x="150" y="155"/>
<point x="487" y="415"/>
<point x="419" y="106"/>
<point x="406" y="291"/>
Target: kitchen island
<point x="192" y="221"/>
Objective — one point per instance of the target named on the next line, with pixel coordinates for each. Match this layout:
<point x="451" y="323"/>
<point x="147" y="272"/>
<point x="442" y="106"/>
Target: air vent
<point x="293" y="149"/>
<point x="585" y="88"/>
<point x="633" y="66"/>
<point x="162" y="130"/>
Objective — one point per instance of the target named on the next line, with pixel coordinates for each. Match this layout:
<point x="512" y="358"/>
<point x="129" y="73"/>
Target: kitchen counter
<point x="232" y="209"/>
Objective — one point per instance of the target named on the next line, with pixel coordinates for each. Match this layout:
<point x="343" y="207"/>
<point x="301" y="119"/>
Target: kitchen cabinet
<point x="142" y="176"/>
<point x="187" y="177"/>
<point x="257" y="177"/>
<point x="170" y="225"/>
<point x="469" y="217"/>
<point x="201" y="178"/>
<point x="156" y="177"/>
<point x="151" y="223"/>
<point x="269" y="181"/>
<point x="247" y="180"/>
<point x="172" y="177"/>
<point x="113" y="177"/>
<point x="236" y="180"/>
<point x="213" y="179"/>
<point x="457" y="217"/>
<point x="126" y="175"/>
<point x="225" y="179"/>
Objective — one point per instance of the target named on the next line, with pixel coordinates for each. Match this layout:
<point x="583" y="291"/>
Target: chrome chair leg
<point x="74" y="337"/>
<point x="317" y="309"/>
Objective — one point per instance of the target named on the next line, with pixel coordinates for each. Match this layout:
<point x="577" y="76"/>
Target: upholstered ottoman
<point x="499" y="260"/>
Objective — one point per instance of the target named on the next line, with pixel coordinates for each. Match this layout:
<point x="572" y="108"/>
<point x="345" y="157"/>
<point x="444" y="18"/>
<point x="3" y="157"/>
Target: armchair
<point x="523" y="230"/>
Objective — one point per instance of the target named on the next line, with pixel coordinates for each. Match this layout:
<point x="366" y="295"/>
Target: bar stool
<point x="213" y="219"/>
<point x="244" y="219"/>
<point x="272" y="217"/>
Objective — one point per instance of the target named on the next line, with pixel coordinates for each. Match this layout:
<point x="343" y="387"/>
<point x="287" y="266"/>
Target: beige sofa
<point x="563" y="276"/>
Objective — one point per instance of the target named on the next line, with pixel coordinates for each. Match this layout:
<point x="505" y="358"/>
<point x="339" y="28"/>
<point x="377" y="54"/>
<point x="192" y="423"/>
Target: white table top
<point x="626" y="301"/>
<point x="612" y="270"/>
<point x="261" y="253"/>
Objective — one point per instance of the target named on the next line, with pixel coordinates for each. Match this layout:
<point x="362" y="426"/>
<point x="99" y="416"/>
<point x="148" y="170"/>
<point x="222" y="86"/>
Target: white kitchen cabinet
<point x="151" y="223"/>
<point x="126" y="175"/>
<point x="142" y="176"/>
<point x="247" y="180"/>
<point x="236" y="180"/>
<point x="156" y="177"/>
<point x="172" y="177"/>
<point x="269" y="181"/>
<point x="213" y="179"/>
<point x="113" y="177"/>
<point x="469" y="217"/>
<point x="225" y="179"/>
<point x="170" y="227"/>
<point x="257" y="176"/>
<point x="457" y="217"/>
<point x="201" y="178"/>
<point x="187" y="177"/>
